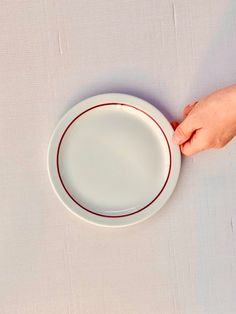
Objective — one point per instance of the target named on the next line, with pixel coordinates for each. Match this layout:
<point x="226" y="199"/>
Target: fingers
<point x="185" y="130"/>
<point x="188" y="109"/>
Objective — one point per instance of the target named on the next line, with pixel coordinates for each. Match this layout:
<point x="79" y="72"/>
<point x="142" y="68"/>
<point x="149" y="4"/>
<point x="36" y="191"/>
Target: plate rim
<point x="174" y="153"/>
<point x="158" y="192"/>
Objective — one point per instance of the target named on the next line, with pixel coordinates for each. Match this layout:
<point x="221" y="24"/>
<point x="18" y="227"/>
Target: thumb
<point x="184" y="131"/>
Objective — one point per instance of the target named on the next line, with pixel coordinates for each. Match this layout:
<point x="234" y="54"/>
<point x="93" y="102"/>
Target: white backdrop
<point x="52" y="55"/>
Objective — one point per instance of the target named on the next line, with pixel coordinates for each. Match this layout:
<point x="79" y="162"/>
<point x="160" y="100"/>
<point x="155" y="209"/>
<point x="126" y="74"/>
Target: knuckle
<point x="219" y="144"/>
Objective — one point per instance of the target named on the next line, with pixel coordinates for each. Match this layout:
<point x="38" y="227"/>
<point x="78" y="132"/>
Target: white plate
<point x="111" y="160"/>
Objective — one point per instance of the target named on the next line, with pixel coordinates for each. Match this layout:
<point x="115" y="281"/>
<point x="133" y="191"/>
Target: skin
<point x="207" y="123"/>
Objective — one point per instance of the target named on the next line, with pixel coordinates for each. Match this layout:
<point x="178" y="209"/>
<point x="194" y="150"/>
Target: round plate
<point x="111" y="160"/>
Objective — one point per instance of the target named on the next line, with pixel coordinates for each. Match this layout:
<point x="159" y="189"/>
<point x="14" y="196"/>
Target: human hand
<point x="208" y="123"/>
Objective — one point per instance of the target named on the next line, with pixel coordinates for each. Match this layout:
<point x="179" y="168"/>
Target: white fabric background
<point x="52" y="55"/>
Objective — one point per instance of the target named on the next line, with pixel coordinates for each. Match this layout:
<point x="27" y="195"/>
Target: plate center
<point x="113" y="159"/>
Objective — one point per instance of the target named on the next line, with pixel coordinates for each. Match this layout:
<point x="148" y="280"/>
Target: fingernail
<point x="176" y="139"/>
<point x="174" y="124"/>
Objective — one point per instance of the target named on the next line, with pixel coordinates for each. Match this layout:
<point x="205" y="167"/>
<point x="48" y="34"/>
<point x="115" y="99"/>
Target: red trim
<point x="58" y="170"/>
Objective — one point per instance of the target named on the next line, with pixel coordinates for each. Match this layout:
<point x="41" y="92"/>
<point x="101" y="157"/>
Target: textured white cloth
<point x="52" y="55"/>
